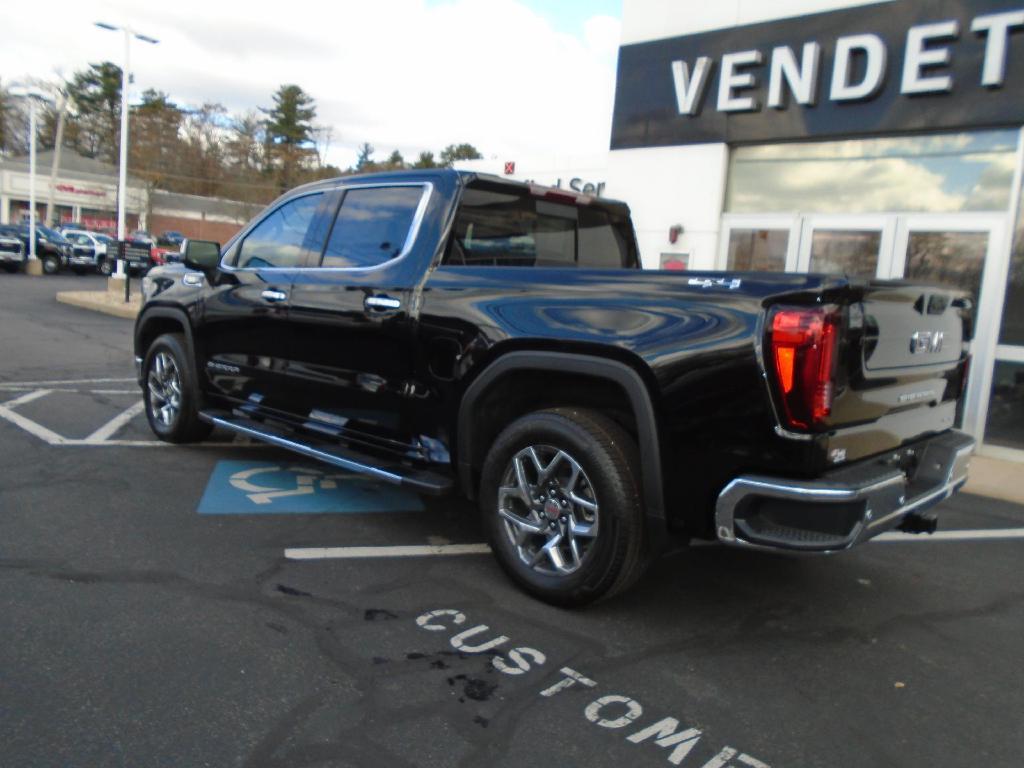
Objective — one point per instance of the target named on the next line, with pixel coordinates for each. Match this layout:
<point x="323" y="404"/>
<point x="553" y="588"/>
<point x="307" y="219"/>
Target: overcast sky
<point x="509" y="76"/>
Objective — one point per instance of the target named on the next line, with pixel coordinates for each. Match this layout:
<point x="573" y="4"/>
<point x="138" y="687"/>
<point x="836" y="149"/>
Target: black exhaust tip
<point x="914" y="523"/>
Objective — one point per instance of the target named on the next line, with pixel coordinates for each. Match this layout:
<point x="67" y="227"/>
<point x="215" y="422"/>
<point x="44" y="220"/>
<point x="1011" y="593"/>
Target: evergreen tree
<point x="95" y="95"/>
<point x="290" y="133"/>
<point x="454" y="152"/>
<point x="425" y="160"/>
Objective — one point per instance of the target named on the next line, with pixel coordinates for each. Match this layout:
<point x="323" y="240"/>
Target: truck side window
<point x="277" y="240"/>
<point x="372" y="226"/>
<point x="498" y="226"/>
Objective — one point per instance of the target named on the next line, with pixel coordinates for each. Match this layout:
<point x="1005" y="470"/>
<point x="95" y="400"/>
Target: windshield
<point x="105" y="239"/>
<point x="50" y="234"/>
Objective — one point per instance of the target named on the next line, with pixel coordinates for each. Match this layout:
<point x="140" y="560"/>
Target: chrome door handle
<point x="272" y="294"/>
<point x="382" y="302"/>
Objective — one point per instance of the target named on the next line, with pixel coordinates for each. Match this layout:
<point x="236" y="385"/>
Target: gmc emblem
<point x="926" y="341"/>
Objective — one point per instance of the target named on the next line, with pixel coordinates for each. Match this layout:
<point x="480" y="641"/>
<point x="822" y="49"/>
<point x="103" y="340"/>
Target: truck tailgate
<point x="902" y="366"/>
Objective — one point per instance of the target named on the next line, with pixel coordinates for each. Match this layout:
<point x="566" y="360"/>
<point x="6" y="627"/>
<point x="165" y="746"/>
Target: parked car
<point x="143" y="237"/>
<point x="12" y="250"/>
<point x="88" y="251"/>
<point x="453" y="332"/>
<point x="51" y="247"/>
<point x="171" y="238"/>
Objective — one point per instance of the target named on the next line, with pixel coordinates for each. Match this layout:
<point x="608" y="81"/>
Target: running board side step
<point x="418" y="480"/>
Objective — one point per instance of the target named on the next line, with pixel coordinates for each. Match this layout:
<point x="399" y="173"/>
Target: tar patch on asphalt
<point x="267" y="487"/>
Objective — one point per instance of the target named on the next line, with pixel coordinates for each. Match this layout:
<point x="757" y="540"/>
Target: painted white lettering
<point x="426" y="621"/>
<point x="665" y="735"/>
<point x="633" y="711"/>
<point x="802" y="78"/>
<point x="459" y="641"/>
<point x="721" y="760"/>
<point x="516" y="657"/>
<point x="731" y="80"/>
<point x="874" y="70"/>
<point x="919" y="56"/>
<point x="690" y="89"/>
<point x="571" y="678"/>
<point x="995" y="27"/>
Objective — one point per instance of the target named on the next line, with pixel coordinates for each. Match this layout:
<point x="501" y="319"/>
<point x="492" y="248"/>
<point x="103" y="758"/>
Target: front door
<point x="244" y="339"/>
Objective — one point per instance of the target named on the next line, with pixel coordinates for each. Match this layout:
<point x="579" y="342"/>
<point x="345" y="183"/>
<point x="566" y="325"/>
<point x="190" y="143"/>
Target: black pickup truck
<point x="455" y="332"/>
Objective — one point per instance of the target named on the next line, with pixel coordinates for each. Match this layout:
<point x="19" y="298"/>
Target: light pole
<point x="122" y="183"/>
<point x="34" y="95"/>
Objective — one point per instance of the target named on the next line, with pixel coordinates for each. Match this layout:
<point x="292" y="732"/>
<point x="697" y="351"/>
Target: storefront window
<point x="1012" y="329"/>
<point x="850" y="252"/>
<point x="937" y="173"/>
<point x="1005" y="423"/>
<point x="758" y="249"/>
<point x="947" y="258"/>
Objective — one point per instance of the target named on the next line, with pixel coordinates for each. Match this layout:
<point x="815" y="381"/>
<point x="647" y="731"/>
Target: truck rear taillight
<point x="802" y="357"/>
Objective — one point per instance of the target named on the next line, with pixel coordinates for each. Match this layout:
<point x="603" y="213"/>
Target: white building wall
<point x="665" y="186"/>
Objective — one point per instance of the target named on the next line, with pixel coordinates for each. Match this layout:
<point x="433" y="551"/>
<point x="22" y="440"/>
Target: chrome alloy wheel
<point x="548" y="509"/>
<point x="164" y="389"/>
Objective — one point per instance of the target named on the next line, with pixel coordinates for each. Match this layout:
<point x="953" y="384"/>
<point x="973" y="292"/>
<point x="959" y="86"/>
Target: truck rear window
<point x="503" y="226"/>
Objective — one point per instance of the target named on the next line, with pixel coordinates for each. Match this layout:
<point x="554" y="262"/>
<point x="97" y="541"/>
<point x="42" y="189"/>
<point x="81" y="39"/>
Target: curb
<point x="101" y="301"/>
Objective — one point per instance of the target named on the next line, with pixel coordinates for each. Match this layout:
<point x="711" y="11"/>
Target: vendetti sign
<point x="882" y="68"/>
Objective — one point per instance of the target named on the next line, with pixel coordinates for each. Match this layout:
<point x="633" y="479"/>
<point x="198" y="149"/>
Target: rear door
<point x="244" y="339"/>
<point x="352" y="344"/>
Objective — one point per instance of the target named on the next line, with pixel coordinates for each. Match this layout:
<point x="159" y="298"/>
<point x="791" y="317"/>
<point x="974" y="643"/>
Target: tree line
<point x="252" y="156"/>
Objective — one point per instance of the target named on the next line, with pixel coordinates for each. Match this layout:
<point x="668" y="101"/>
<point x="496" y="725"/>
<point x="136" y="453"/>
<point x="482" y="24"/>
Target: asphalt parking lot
<point x="169" y="606"/>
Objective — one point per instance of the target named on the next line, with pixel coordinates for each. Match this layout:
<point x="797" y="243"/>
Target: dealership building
<point x="84" y="191"/>
<point x="880" y="139"/>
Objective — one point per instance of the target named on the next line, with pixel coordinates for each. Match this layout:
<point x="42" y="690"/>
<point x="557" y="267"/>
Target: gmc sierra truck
<point x="460" y="333"/>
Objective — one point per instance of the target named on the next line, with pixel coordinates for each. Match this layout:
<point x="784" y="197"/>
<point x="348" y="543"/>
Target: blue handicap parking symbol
<point x="267" y="487"/>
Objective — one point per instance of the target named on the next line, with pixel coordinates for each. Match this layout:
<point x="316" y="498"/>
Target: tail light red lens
<point x="802" y="356"/>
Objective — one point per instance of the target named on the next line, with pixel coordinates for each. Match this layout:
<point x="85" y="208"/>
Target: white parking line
<point x="38" y="430"/>
<point x="23" y="384"/>
<point x="358" y="553"/>
<point x="343" y="553"/>
<point x="28" y="397"/>
<point x="111" y="427"/>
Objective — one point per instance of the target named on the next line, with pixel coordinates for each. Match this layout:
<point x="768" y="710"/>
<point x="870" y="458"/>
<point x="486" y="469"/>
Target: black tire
<point x="172" y="412"/>
<point x="106" y="268"/>
<point x="607" y="456"/>
<point x="51" y="265"/>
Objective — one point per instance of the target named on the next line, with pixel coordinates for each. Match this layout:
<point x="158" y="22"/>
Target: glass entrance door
<point x="859" y="246"/>
<point x="965" y="251"/>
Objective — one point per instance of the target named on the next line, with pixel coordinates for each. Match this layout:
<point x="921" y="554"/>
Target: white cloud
<point x="396" y="73"/>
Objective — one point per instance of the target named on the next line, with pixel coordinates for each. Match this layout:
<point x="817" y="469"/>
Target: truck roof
<point x="466" y="177"/>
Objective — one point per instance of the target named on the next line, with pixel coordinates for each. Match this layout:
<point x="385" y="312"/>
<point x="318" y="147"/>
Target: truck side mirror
<point x="201" y="255"/>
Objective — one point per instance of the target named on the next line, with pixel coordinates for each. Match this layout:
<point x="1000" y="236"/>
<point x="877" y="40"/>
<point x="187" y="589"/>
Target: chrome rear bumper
<point x="844" y="507"/>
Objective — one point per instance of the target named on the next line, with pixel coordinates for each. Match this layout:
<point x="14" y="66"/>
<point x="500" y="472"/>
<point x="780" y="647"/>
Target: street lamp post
<point x="122" y="184"/>
<point x="33" y="95"/>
